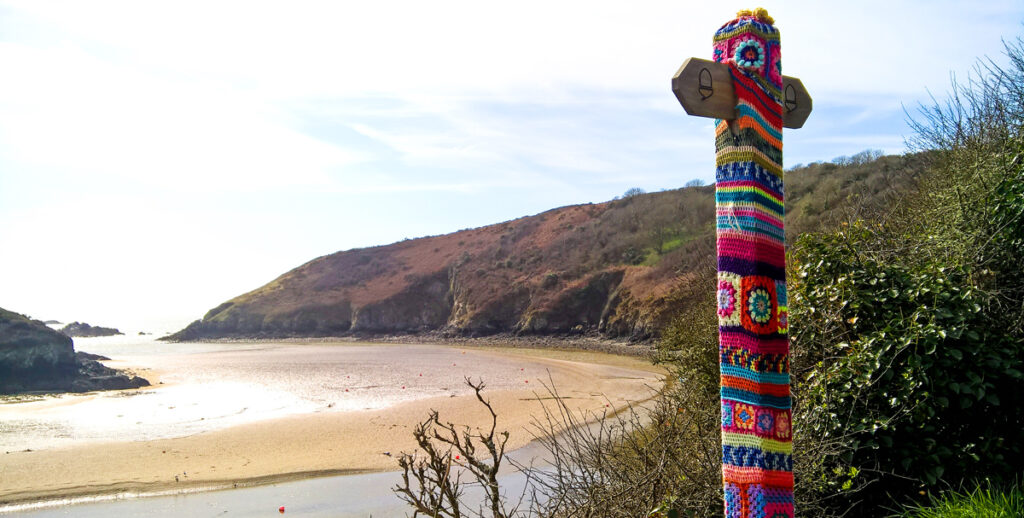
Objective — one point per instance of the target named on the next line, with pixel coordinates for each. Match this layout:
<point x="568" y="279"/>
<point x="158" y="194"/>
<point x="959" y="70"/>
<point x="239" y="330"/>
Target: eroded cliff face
<point x="425" y="304"/>
<point x="34" y="357"/>
<point x="443" y="301"/>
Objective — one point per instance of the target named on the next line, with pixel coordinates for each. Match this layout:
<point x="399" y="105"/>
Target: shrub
<point x="908" y="335"/>
<point x="633" y="256"/>
<point x="549" y="281"/>
<point x="905" y="359"/>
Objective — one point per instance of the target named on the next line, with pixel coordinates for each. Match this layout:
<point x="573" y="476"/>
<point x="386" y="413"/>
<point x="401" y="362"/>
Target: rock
<point x="81" y="356"/>
<point x="114" y="382"/>
<point x="34" y="357"/>
<point x="93" y="375"/>
<point x="81" y="329"/>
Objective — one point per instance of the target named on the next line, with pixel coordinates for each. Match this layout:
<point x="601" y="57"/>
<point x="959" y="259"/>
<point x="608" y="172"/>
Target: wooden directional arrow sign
<point x="704" y="88"/>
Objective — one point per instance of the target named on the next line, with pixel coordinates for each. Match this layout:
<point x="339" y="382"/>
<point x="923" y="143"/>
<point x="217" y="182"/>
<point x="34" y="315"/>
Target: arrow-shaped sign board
<point x="704" y="88"/>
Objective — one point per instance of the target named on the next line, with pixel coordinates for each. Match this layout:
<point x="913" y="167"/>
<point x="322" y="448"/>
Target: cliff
<point x="615" y="268"/>
<point x="34" y="357"/>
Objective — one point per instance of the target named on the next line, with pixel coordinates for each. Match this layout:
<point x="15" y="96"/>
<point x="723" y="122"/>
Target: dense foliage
<point x="907" y="331"/>
<point x="907" y="362"/>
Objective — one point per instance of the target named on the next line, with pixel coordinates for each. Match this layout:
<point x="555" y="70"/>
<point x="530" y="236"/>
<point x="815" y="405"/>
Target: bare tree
<point x="428" y="482"/>
<point x="661" y="455"/>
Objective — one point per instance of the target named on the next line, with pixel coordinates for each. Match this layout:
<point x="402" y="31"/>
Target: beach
<point x="329" y="442"/>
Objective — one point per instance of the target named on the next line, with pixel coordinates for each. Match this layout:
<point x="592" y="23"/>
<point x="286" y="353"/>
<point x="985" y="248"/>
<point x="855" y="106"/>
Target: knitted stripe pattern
<point x="757" y="461"/>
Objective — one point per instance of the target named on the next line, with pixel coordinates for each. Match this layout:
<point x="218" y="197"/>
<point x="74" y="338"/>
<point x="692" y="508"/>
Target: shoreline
<point x="312" y="445"/>
<point x="582" y="342"/>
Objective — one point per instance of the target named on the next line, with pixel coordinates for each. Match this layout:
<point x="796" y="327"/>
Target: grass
<point x="981" y="502"/>
<point x="652" y="257"/>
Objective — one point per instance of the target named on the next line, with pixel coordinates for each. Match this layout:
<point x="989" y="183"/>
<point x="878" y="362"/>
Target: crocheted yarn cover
<point x="757" y="462"/>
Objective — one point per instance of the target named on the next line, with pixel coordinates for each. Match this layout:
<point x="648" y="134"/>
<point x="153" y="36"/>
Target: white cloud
<point x="63" y="108"/>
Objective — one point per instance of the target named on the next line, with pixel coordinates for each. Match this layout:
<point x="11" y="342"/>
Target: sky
<point x="159" y="158"/>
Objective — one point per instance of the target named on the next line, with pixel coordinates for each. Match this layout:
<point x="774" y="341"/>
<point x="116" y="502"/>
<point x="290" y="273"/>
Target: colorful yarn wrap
<point x="757" y="461"/>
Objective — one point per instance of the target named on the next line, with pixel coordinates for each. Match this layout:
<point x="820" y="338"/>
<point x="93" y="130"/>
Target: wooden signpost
<point x="704" y="88"/>
<point x="743" y="87"/>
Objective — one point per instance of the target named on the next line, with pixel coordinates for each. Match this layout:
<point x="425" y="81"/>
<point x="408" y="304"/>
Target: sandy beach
<point x="318" y="444"/>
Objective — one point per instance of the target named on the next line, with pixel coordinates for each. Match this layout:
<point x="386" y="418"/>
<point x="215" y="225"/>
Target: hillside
<point x="616" y="268"/>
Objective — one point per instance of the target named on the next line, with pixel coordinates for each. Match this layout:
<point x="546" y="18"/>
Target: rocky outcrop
<point x="81" y="329"/>
<point x="93" y="375"/>
<point x="581" y="305"/>
<point x="34" y="357"/>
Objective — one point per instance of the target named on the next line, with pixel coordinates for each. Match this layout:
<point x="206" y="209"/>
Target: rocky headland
<point x="581" y="269"/>
<point x="35" y="358"/>
<point x="621" y="269"/>
<point x="81" y="329"/>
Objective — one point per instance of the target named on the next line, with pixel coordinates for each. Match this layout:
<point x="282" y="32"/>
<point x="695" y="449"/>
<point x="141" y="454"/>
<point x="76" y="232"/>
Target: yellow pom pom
<point x="762" y="14"/>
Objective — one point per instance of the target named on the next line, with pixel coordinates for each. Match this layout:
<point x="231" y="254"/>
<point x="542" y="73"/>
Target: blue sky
<point x="157" y="159"/>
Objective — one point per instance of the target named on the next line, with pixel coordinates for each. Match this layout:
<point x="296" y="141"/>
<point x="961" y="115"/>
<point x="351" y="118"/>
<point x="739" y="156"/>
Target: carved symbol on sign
<point x="705" y="85"/>
<point x="790" y="98"/>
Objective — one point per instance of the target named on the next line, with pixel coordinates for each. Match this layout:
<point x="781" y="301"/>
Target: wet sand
<point x="319" y="444"/>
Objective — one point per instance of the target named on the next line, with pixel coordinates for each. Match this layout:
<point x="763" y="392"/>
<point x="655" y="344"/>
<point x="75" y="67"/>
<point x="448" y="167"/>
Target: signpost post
<point x="744" y="89"/>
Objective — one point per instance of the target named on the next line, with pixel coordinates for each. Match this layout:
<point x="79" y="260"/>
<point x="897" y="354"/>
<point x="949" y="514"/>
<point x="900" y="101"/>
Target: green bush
<point x="907" y="364"/>
<point x="908" y="335"/>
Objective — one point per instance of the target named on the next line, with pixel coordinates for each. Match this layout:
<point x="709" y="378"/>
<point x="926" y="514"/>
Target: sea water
<point x="208" y="386"/>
